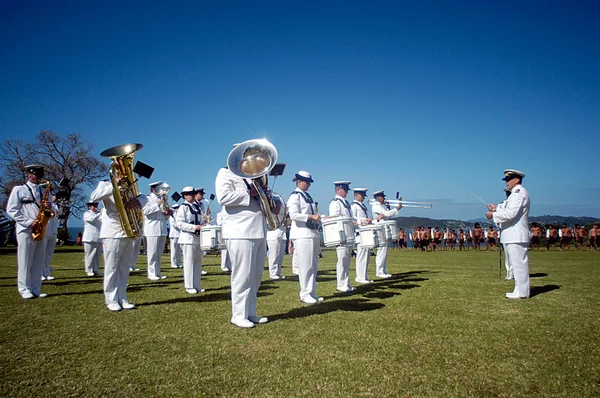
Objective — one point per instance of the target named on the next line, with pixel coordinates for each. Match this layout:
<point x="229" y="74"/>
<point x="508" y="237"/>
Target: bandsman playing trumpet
<point x="339" y="206"/>
<point x="24" y="205"/>
<point x="155" y="231"/>
<point x="381" y="212"/>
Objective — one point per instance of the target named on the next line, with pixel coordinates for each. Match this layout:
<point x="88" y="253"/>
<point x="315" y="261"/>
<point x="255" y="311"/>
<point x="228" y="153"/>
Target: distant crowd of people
<point x="552" y="237"/>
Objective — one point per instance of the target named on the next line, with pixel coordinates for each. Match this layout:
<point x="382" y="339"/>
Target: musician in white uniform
<point x="174" y="239"/>
<point x="189" y="221"/>
<point x="244" y="231"/>
<point x="51" y="238"/>
<point x="305" y="236"/>
<point x="137" y="246"/>
<point x="363" y="255"/>
<point x="92" y="244"/>
<point x="23" y="206"/>
<point x="339" y="207"/>
<point x="225" y="262"/>
<point x="155" y="231"/>
<point x="198" y="200"/>
<point x="117" y="247"/>
<point x="276" y="242"/>
<point x="381" y="213"/>
<point x="514" y="219"/>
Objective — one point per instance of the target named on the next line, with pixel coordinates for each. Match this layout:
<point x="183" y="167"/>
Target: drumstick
<point x="482" y="201"/>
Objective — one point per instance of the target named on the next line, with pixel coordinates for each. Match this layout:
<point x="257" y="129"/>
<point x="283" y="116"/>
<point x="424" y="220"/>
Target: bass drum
<point x="338" y="231"/>
<point x="211" y="238"/>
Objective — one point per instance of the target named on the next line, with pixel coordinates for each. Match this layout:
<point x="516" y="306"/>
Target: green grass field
<point x="440" y="327"/>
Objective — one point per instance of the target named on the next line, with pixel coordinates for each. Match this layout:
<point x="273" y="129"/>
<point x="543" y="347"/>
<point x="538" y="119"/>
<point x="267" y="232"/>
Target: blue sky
<point x="432" y="99"/>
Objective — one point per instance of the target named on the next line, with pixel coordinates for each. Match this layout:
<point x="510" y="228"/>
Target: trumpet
<point x="162" y="191"/>
<point x="404" y="203"/>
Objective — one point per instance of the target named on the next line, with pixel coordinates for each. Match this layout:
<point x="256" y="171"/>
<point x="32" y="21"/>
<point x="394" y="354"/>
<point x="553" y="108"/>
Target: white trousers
<point x="31" y="257"/>
<point x="306" y="256"/>
<point x="342" y="268"/>
<point x="93" y="251"/>
<point x="276" y="253"/>
<point x="225" y="261"/>
<point x="380" y="261"/>
<point x="137" y="244"/>
<point x="192" y="266"/>
<point x="517" y="256"/>
<point x="509" y="271"/>
<point x="50" y="247"/>
<point x="175" y="252"/>
<point x="155" y="246"/>
<point x="247" y="266"/>
<point x="117" y="257"/>
<point x="363" y="256"/>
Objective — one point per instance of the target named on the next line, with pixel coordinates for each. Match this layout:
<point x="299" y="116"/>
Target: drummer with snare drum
<point x="339" y="207"/>
<point x="381" y="212"/>
<point x="363" y="254"/>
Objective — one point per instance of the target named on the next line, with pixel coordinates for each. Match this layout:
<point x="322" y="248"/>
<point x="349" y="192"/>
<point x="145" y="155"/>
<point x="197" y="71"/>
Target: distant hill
<point x="411" y="222"/>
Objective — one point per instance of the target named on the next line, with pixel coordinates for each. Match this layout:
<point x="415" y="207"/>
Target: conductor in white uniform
<point x="381" y="213"/>
<point x="514" y="220"/>
<point x="339" y="207"/>
<point x="244" y="231"/>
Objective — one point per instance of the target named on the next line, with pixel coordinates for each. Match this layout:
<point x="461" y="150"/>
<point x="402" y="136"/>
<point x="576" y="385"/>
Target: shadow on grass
<point x="357" y="304"/>
<point x="205" y="297"/>
<point x="535" y="290"/>
<point x="538" y="275"/>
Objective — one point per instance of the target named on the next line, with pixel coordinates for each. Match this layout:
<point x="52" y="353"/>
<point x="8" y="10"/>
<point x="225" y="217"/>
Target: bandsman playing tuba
<point x="25" y="205"/>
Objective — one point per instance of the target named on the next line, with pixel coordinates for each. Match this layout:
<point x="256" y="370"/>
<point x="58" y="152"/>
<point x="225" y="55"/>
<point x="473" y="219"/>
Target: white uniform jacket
<point x="299" y="211"/>
<point x="359" y="212"/>
<point x="111" y="222"/>
<point x="173" y="231"/>
<point x="155" y="221"/>
<point x="514" y="217"/>
<point x="186" y="219"/>
<point x="337" y="207"/>
<point x="91" y="227"/>
<point x="243" y="218"/>
<point x="23" y="207"/>
<point x="379" y="208"/>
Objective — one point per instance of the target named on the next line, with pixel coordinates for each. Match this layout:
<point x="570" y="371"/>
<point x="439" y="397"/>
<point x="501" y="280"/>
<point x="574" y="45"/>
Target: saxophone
<point x="125" y="187"/>
<point x="38" y="231"/>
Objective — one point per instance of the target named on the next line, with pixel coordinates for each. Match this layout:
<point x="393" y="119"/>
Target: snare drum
<point x="372" y="236"/>
<point x="211" y="238"/>
<point x="338" y="231"/>
<point x="391" y="231"/>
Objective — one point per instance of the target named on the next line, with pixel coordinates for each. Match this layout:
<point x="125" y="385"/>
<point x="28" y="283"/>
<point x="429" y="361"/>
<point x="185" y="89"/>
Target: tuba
<point x="38" y="231"/>
<point x="253" y="160"/>
<point x="125" y="187"/>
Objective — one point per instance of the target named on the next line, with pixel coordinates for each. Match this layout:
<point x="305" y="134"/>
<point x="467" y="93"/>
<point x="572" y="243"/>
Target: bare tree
<point x="68" y="159"/>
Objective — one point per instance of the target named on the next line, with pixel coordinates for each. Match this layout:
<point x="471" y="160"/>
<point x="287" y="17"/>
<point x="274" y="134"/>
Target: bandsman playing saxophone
<point x="28" y="204"/>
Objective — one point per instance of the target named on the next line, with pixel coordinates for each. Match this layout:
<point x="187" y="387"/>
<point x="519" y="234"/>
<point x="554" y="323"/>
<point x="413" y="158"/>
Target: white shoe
<point x="276" y="277"/>
<point x="41" y="295"/>
<point x="91" y="274"/>
<point x="127" y="305"/>
<point x="163" y="277"/>
<point x="154" y="278"/>
<point x="27" y="295"/>
<point x="43" y="278"/>
<point x="345" y="289"/>
<point x="362" y="282"/>
<point x="384" y="276"/>
<point x="242" y="323"/>
<point x="258" y="320"/>
<point x="191" y="291"/>
<point x="309" y="300"/>
<point x="50" y="277"/>
<point x="114" y="307"/>
<point x="204" y="272"/>
<point x="514" y="295"/>
<point x="174" y="266"/>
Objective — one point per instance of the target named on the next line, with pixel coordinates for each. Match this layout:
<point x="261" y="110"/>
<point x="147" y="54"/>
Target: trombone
<point x="404" y="203"/>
